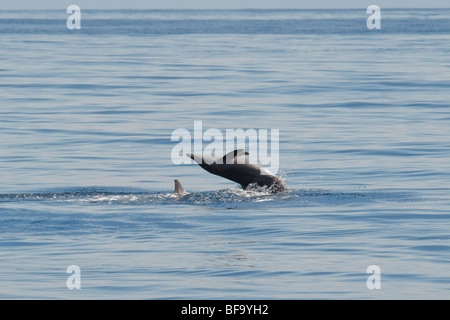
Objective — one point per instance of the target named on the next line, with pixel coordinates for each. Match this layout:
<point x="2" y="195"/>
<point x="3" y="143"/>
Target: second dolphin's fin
<point x="179" y="190"/>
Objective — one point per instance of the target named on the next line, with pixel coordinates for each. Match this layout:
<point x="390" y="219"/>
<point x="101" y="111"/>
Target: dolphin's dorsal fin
<point x="229" y="157"/>
<point x="179" y="190"/>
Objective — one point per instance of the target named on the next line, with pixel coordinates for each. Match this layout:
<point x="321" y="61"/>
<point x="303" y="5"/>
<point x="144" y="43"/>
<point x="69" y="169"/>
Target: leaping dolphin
<point x="240" y="170"/>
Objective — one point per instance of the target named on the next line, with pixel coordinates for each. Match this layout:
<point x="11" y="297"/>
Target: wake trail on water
<point x="229" y="197"/>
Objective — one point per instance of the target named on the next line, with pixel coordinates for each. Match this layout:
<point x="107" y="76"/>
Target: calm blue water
<point x="86" y="118"/>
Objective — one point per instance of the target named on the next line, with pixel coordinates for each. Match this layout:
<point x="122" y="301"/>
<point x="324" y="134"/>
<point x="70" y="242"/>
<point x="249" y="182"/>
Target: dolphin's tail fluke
<point x="179" y="190"/>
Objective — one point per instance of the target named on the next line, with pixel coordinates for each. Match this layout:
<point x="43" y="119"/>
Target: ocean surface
<point x="86" y="175"/>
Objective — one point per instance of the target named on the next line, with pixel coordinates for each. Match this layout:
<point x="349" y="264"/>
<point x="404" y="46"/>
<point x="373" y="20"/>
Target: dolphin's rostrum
<point x="239" y="169"/>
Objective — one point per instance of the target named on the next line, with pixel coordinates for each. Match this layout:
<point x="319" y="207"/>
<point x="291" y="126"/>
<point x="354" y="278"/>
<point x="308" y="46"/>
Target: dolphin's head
<point x="203" y="161"/>
<point x="195" y="157"/>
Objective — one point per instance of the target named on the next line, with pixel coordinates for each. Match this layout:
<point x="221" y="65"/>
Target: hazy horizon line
<point x="226" y="9"/>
